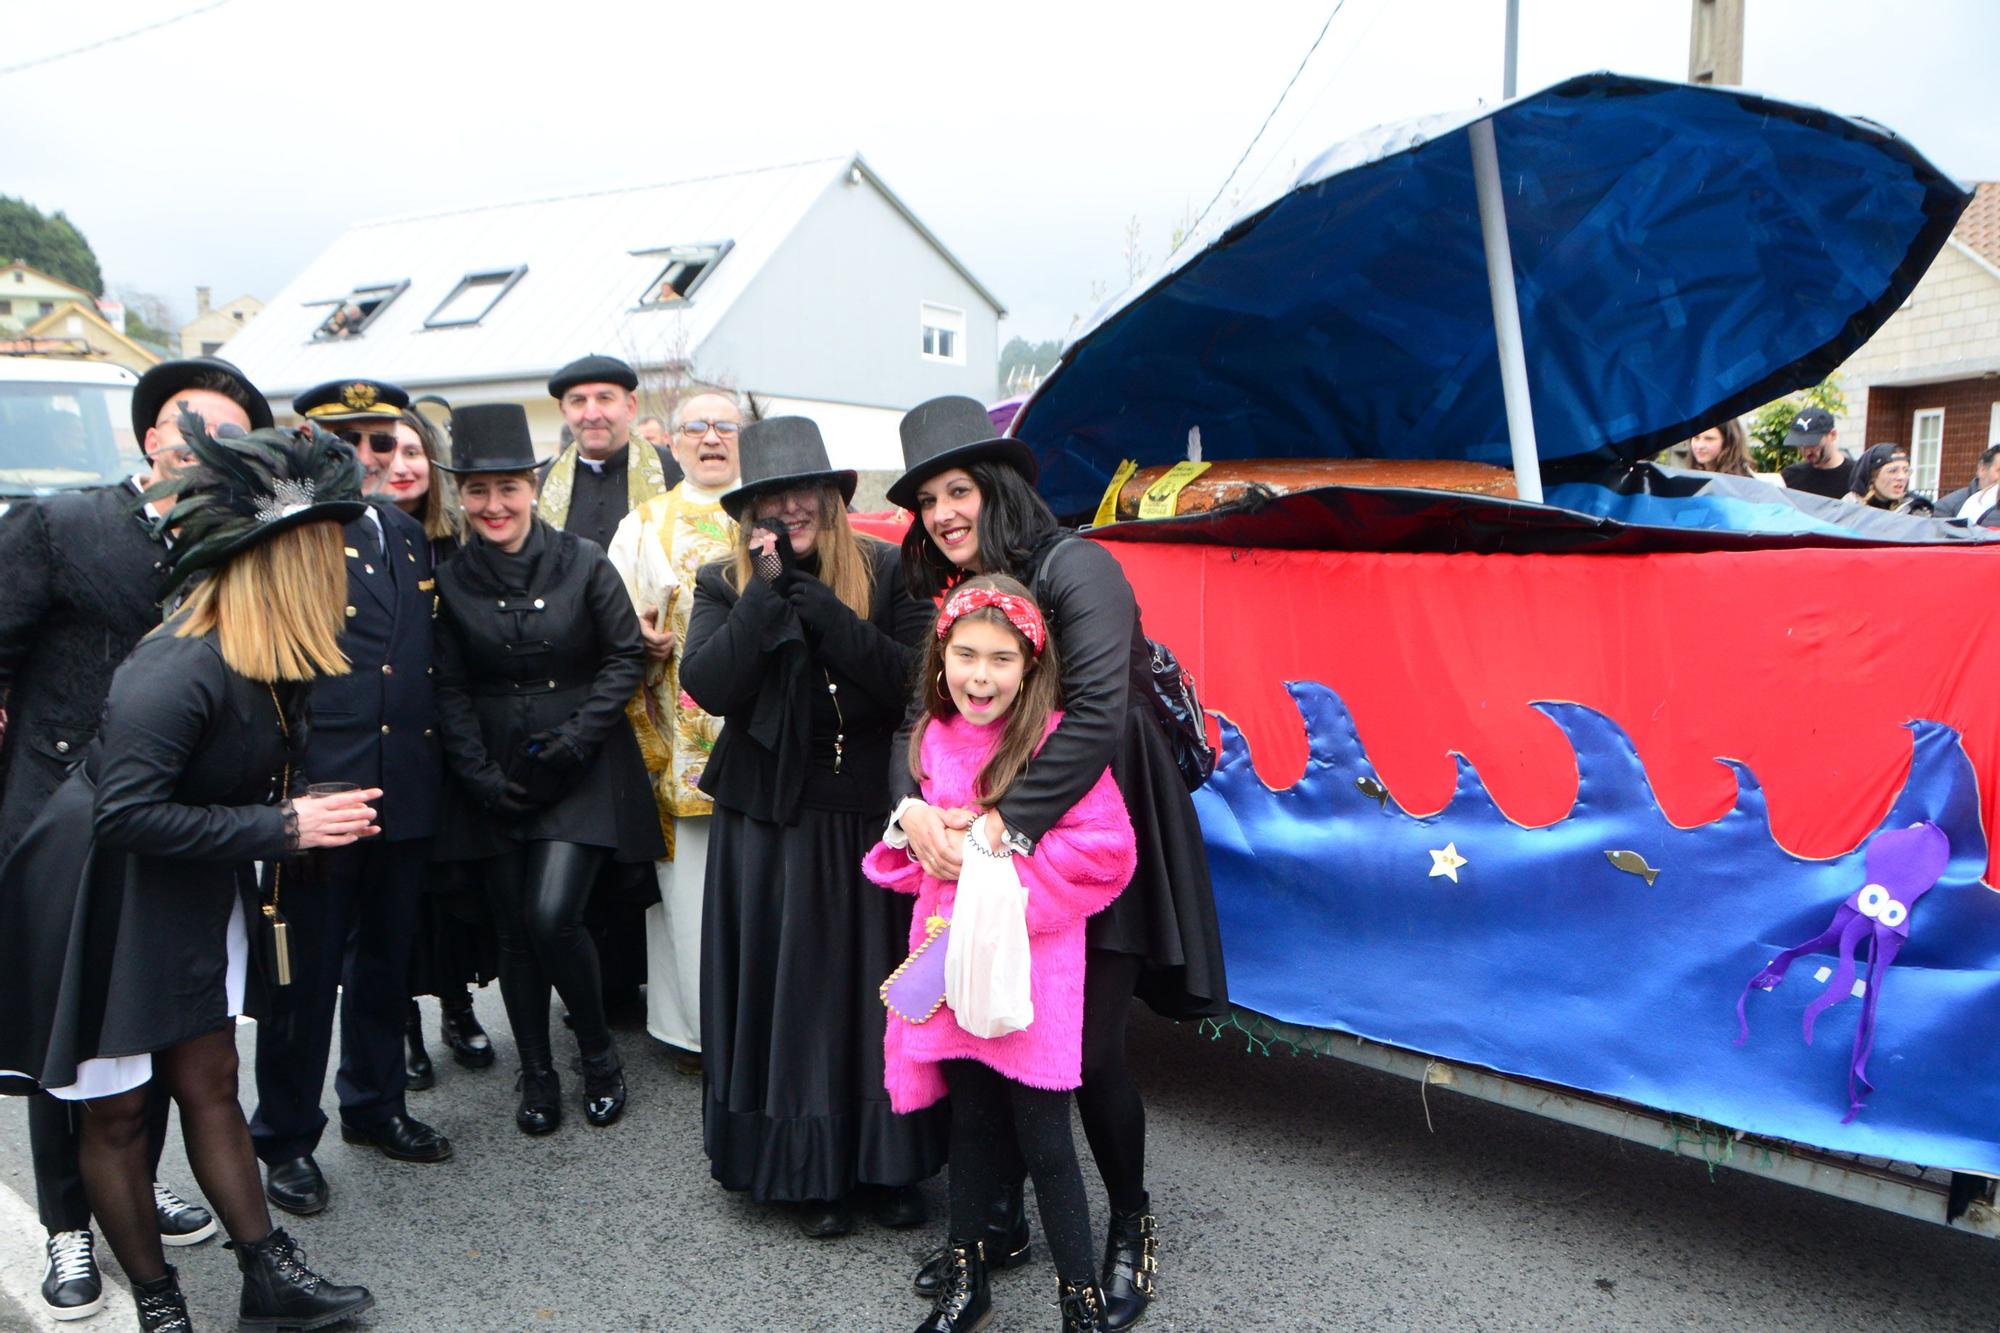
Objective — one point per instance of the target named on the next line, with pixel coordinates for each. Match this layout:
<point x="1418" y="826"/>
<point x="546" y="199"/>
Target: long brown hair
<point x="1041" y="694"/>
<point x="1734" y="456"/>
<point x="276" y="608"/>
<point x="844" y="563"/>
<point x="439" y="508"/>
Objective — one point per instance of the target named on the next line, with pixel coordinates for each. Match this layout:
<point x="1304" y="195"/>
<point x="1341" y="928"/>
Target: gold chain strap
<point x="281" y="944"/>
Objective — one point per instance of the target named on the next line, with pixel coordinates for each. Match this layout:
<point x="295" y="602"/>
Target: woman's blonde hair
<point x="844" y="563"/>
<point x="277" y="609"/>
<point x="439" y="508"/>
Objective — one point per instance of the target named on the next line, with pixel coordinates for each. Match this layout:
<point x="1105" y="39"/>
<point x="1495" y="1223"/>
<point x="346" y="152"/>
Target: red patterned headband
<point x="1020" y="613"/>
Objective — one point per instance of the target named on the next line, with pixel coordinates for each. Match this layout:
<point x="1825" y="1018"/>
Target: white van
<point x="64" y="425"/>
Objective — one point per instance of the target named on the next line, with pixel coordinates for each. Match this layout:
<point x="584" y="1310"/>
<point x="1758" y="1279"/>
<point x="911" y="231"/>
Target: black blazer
<point x="377" y="725"/>
<point x="114" y="908"/>
<point x="80" y="578"/>
<point x="561" y="654"/>
<point x="762" y="662"/>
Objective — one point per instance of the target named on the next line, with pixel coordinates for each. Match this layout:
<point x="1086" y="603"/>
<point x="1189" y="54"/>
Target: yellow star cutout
<point x="1446" y="862"/>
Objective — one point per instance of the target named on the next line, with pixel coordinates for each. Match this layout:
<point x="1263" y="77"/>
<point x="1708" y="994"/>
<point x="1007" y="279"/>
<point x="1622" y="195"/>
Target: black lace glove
<point x="772" y="565"/>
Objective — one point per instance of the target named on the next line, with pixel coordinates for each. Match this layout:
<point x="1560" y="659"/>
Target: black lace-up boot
<point x="1083" y="1308"/>
<point x="963" y="1304"/>
<point x="1005" y="1241"/>
<point x="1131" y="1261"/>
<point x="540" y="1111"/>
<point x="161" y="1307"/>
<point x="603" y="1087"/>
<point x="280" y="1292"/>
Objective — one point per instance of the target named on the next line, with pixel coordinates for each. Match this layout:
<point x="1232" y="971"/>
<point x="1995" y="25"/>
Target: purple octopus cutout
<point x="1902" y="866"/>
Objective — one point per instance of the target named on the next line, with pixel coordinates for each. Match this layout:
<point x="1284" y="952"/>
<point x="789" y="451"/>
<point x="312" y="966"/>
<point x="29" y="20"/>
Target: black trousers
<point x="538" y="892"/>
<point x="53" y="1134"/>
<point x="353" y="918"/>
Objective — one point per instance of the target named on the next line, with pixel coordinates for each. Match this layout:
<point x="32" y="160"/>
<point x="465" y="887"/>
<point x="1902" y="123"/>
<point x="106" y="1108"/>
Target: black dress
<point x="115" y="905"/>
<point x="541" y="640"/>
<point x="794" y="946"/>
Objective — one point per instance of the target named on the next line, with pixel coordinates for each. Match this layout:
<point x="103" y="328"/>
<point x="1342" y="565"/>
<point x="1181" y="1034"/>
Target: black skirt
<point x="795" y="944"/>
<point x="454" y="946"/>
<point x="1167" y="913"/>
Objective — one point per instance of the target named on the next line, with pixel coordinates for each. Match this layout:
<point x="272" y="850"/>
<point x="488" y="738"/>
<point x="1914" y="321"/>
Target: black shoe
<point x="825" y="1219"/>
<point x="181" y="1222"/>
<point x="1006" y="1246"/>
<point x="162" y="1309"/>
<point x="963" y="1302"/>
<point x="1131" y="1261"/>
<point x="72" y="1288"/>
<point x="541" y="1101"/>
<point x="418" y="1072"/>
<point x="898" y="1207"/>
<point x="689" y="1063"/>
<point x="1082" y="1308"/>
<point x="280" y="1292"/>
<point x="468" y="1041"/>
<point x="296" y="1186"/>
<point x="603" y="1088"/>
<point x="401" y="1138"/>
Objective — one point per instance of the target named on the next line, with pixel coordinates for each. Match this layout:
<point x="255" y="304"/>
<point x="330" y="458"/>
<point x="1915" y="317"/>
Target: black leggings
<point x="1114" y="1114"/>
<point x="539" y="893"/>
<point x="200" y="1076"/>
<point x="997" y="1124"/>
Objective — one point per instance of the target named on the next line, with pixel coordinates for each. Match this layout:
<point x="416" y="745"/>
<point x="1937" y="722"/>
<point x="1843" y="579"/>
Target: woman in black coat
<point x="977" y="513"/>
<point x="125" y="909"/>
<point x="803" y="646"/>
<point x="538" y="651"/>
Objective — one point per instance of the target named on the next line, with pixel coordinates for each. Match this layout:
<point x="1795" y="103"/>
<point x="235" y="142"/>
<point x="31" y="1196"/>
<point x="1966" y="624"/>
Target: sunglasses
<point x="379" y="441"/>
<point x="701" y="428"/>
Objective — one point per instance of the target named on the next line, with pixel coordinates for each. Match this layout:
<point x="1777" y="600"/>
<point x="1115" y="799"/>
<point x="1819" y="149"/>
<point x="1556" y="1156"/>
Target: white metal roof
<point x="580" y="293"/>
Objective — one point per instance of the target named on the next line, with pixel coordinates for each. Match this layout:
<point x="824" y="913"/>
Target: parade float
<point x="1655" y="801"/>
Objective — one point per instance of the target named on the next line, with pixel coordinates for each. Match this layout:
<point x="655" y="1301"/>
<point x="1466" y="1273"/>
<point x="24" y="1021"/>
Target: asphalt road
<point x="1292" y="1194"/>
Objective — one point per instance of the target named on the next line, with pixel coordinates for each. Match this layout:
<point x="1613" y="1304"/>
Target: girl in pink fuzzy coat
<point x="992" y="689"/>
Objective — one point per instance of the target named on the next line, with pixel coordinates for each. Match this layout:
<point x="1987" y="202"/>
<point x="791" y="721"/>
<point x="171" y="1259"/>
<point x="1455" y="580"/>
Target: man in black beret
<point x="353" y="910"/>
<point x="595" y="481"/>
<point x="82" y="587"/>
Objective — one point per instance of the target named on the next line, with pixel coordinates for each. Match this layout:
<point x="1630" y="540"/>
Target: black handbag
<point x="1168" y="687"/>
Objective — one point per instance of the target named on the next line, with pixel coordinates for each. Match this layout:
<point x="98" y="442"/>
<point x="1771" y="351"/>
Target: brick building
<point x="1930" y="377"/>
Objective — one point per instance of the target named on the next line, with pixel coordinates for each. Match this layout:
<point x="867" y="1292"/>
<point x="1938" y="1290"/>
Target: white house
<point x="811" y="287"/>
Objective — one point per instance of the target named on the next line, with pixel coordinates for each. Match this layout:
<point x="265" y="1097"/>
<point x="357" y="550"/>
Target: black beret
<point x="157" y="387"/>
<point x="593" y="369"/>
<point x="344" y="400"/>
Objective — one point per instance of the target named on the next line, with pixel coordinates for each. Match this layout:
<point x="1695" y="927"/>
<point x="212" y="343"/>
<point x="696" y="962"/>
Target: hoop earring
<point x="942" y="692"/>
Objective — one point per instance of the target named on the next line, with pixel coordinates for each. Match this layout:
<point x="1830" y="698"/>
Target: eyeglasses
<point x="700" y="428"/>
<point x="379" y="441"/>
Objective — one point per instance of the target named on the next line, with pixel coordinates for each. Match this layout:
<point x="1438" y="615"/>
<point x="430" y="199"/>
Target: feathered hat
<point x="246" y="488"/>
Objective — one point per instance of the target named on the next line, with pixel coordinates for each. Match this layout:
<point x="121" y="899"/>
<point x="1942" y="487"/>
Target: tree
<point x="1023" y="360"/>
<point x="1771" y="424"/>
<point x="49" y="242"/>
<point x="147" y="318"/>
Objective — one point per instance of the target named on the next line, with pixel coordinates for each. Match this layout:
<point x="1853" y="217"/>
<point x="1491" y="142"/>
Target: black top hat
<point x="245" y="489"/>
<point x="490" y="437"/>
<point x="348" y="400"/>
<point x="158" y="386"/>
<point x="950" y="432"/>
<point x="593" y="369"/>
<point x="783" y="454"/>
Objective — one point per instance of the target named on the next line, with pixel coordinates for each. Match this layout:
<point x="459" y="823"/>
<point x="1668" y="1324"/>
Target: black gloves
<point x="813" y="602"/>
<point x="513" y="802"/>
<point x="546" y="767"/>
<point x="773" y="564"/>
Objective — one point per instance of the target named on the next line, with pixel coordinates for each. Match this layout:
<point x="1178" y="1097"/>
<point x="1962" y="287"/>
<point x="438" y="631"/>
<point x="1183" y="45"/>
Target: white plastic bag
<point x="986" y="955"/>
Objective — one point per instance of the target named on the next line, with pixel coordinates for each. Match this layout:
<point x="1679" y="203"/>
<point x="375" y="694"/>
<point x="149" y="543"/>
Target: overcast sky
<point x="230" y="147"/>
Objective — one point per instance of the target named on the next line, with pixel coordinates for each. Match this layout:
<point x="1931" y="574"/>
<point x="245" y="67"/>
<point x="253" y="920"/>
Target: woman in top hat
<point x="537" y="652"/>
<point x="123" y="909"/>
<point x="977" y="513"/>
<point x="802" y="643"/>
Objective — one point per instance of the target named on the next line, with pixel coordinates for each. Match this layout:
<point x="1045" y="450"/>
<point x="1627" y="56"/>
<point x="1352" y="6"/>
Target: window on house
<point x="45" y="307"/>
<point x="686" y="268"/>
<point x="473" y="298"/>
<point x="210" y="349"/>
<point x="236" y="315"/>
<point x="943" y="334"/>
<point x="352" y="314"/>
<point x="1927" y="450"/>
<point x="1992" y="422"/>
<point x="6" y="307"/>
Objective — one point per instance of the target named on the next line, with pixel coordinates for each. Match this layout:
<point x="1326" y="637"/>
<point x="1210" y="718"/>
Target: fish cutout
<point x="1373" y="790"/>
<point x="1633" y="864"/>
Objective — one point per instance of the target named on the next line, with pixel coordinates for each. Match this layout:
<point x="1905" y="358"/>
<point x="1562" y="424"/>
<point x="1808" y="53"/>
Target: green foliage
<point x="49" y="242"/>
<point x="1019" y="353"/>
<point x="1771" y="423"/>
<point x="136" y="327"/>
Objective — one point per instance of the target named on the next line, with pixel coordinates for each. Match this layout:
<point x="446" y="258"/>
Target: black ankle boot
<point x="540" y="1110"/>
<point x="603" y="1087"/>
<point x="1006" y="1245"/>
<point x="280" y="1292"/>
<point x="1131" y="1259"/>
<point x="161" y="1307"/>
<point x="1083" y="1308"/>
<point x="468" y="1041"/>
<point x="963" y="1302"/>
<point x="417" y="1071"/>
